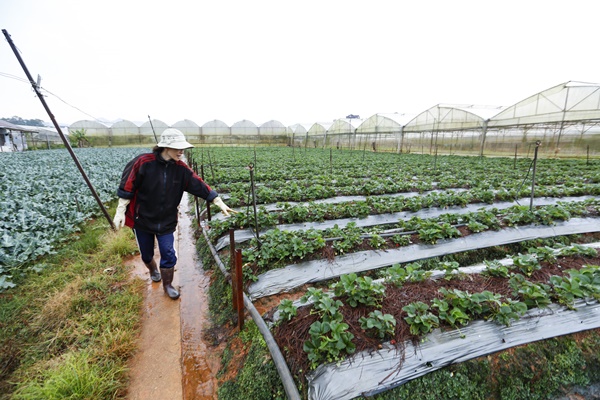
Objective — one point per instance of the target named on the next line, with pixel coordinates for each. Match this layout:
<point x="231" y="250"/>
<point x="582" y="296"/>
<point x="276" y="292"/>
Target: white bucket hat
<point x="173" y="139"/>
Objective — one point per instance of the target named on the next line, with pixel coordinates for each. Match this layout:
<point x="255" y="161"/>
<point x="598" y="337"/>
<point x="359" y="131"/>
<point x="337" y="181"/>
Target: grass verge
<point x="68" y="331"/>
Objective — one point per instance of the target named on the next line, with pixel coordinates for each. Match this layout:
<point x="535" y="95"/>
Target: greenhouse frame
<point x="563" y="120"/>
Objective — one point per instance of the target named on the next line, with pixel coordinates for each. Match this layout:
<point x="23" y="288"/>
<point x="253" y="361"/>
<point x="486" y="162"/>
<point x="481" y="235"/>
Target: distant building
<point x="12" y="137"/>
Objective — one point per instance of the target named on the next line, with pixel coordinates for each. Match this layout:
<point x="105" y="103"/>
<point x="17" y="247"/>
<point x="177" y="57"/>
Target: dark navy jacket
<point x="155" y="188"/>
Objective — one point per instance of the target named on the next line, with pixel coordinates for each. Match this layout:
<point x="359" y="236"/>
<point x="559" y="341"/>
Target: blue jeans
<point x="145" y="241"/>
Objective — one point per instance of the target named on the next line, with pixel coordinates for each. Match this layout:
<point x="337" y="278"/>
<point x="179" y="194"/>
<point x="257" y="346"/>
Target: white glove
<point x="119" y="219"/>
<point x="226" y="210"/>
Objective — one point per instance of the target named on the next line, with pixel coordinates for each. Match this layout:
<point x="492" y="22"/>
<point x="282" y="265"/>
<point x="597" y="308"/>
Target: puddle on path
<point x="200" y="364"/>
<point x="173" y="361"/>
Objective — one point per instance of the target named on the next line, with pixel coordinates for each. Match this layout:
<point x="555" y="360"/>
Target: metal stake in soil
<point x="251" y="168"/>
<point x="535" y="154"/>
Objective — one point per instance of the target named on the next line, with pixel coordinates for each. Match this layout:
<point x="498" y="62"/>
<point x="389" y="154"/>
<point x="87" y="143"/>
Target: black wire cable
<point x="522" y="183"/>
<point x="40" y="88"/>
<point x="255" y="230"/>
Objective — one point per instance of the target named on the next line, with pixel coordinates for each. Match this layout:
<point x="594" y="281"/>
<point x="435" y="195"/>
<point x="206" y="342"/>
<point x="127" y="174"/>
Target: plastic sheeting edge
<point x="369" y="373"/>
<point x="292" y="276"/>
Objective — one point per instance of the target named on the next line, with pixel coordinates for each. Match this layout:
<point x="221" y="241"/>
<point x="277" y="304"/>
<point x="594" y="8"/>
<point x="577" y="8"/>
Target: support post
<point x="256" y="227"/>
<point x="331" y="159"/>
<point x="239" y="291"/>
<point x="535" y="154"/>
<point x="233" y="269"/>
<point x="196" y="201"/>
<point x="588" y="155"/>
<point x="208" y="216"/>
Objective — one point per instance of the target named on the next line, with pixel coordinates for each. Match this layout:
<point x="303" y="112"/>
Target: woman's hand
<point x="226" y="210"/>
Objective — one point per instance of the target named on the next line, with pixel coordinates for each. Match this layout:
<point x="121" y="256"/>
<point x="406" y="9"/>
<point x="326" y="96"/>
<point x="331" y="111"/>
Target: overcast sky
<point x="292" y="61"/>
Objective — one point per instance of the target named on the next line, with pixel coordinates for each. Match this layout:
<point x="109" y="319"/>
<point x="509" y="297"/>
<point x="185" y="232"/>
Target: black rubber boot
<point x="167" y="278"/>
<point x="154" y="274"/>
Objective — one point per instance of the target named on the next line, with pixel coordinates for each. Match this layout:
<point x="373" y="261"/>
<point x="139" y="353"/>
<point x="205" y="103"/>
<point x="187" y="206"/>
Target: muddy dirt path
<point x="173" y="361"/>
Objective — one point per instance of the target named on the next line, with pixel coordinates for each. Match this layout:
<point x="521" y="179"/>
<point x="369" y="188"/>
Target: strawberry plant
<point x="420" y="320"/>
<point x="276" y="246"/>
<point x="401" y="240"/>
<point x="519" y="215"/>
<point x="287" y="310"/>
<point x="454" y="316"/>
<point x="312" y="295"/>
<point x="383" y="325"/>
<point x="543" y="253"/>
<point x="431" y="231"/>
<point x="477" y="304"/>
<point x="414" y="273"/>
<point x="549" y="214"/>
<point x="495" y="268"/>
<point x="377" y="241"/>
<point x="449" y="267"/>
<point x="527" y="263"/>
<point x="487" y="218"/>
<point x="328" y="309"/>
<point x="328" y="341"/>
<point x="359" y="290"/>
<point x="578" y="284"/>
<point x="534" y="295"/>
<point x="509" y="310"/>
<point x="476" y="226"/>
<point x="350" y="237"/>
<point x="578" y="249"/>
<point x="395" y="275"/>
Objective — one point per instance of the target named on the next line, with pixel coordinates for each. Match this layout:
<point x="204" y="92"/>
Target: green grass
<point x="258" y="378"/>
<point x="68" y="331"/>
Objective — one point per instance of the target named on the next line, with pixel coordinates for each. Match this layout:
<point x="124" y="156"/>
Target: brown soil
<point x="173" y="359"/>
<point x="291" y="335"/>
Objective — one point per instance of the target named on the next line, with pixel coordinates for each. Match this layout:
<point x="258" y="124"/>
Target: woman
<point x="150" y="191"/>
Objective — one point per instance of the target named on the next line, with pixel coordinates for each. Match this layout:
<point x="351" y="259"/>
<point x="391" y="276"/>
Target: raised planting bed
<point x="487" y="313"/>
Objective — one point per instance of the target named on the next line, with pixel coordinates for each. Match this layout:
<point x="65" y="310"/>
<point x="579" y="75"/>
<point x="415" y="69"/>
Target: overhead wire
<point x="18" y="78"/>
<point x="10" y="76"/>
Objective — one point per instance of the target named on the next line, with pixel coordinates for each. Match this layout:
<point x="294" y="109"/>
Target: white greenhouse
<point x="563" y="120"/>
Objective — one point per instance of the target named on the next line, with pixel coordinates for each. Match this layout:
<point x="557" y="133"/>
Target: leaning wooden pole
<point x="62" y="136"/>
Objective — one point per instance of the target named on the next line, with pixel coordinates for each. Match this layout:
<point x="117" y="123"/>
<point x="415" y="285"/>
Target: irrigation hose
<point x="284" y="372"/>
<point x="522" y="183"/>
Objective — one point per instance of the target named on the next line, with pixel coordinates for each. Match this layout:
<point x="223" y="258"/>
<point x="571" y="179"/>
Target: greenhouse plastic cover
<point x="369" y="373"/>
<point x="292" y="276"/>
<point x="383" y="219"/>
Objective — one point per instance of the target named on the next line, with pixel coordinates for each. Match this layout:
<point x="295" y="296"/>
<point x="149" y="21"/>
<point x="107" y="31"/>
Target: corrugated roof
<point x="13" y="127"/>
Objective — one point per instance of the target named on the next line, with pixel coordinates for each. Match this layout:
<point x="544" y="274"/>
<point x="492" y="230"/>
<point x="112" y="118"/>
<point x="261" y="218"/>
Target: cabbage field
<point x="43" y="199"/>
<point x="390" y="266"/>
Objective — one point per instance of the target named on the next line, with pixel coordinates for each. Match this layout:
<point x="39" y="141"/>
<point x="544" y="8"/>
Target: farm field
<point x="356" y="253"/>
<point x="359" y="255"/>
